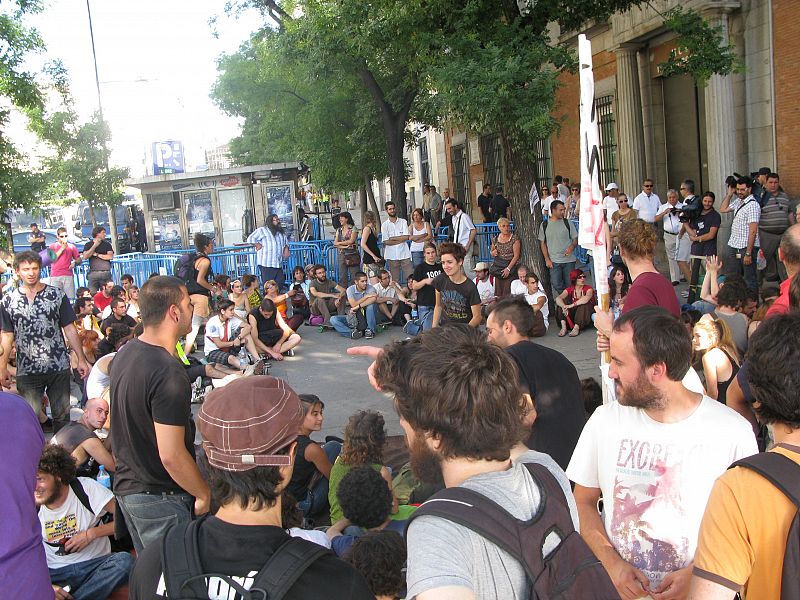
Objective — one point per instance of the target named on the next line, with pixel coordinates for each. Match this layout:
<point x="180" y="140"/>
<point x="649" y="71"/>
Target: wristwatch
<point x="748" y="254"/>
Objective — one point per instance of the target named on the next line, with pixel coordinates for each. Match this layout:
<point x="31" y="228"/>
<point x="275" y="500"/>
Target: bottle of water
<point x="103" y="478"/>
<point x="243" y="356"/>
<point x="414" y="312"/>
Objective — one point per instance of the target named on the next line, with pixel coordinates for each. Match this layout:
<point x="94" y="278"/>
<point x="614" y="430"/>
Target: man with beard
<point x="157" y="482"/>
<point x="326" y="296"/>
<point x="461" y="423"/>
<point x="76" y="544"/>
<point x="654" y="456"/>
<point x="271" y="248"/>
<point x="549" y="376"/>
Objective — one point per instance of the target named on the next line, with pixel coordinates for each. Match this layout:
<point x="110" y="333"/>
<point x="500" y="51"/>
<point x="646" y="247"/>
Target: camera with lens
<point x="691" y="210"/>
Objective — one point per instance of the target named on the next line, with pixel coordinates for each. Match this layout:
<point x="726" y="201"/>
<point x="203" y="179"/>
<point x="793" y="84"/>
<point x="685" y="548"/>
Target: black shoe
<point x="674" y="283"/>
<point x="356" y="334"/>
<point x="47" y="426"/>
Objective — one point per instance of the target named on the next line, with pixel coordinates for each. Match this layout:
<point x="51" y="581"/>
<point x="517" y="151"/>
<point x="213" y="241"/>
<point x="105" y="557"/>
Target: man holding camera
<point x="744" y="242"/>
<point x="702" y="231"/>
<point x="676" y="242"/>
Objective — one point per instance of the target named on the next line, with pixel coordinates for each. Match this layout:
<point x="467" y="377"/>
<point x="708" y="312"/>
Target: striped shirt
<point x="744" y="212"/>
<point x="271" y="253"/>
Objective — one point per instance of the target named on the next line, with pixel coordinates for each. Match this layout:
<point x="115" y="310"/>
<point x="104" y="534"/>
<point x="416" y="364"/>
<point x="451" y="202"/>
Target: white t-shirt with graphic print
<point x="656" y="477"/>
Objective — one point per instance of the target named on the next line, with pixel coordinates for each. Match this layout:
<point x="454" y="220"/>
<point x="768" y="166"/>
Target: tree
<point x="293" y="111"/>
<point x="80" y="159"/>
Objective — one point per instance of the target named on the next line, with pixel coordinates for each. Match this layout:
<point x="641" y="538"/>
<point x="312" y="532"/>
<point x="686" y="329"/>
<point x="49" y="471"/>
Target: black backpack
<point x="571" y="571"/>
<point x="184" y="267"/>
<point x="782" y="472"/>
<point x="180" y="561"/>
<point x="566" y="224"/>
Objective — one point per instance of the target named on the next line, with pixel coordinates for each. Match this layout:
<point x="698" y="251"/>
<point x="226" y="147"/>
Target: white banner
<point x="593" y="232"/>
<point x="533" y="196"/>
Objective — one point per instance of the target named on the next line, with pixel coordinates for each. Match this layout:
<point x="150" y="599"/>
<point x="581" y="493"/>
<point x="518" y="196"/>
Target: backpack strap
<point x="488" y="519"/>
<point x="285" y="566"/>
<point x="180" y="560"/>
<point x="781" y="471"/>
<point x="77" y="489"/>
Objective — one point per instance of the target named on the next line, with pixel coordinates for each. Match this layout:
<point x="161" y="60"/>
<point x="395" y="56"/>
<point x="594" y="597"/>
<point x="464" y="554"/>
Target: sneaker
<point x="289" y="352"/>
<point x="356" y="334"/>
<point x="675" y="283"/>
<point x="261" y="367"/>
<point x="250" y="370"/>
<point x="685" y="294"/>
<point x="47" y="426"/>
<point x="406" y="326"/>
<point x="369" y="334"/>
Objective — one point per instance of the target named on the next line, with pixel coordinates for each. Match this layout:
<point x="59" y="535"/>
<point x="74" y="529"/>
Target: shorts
<point x="683" y="247"/>
<point x="201" y="304"/>
<point x="219" y="357"/>
<point x="270" y="338"/>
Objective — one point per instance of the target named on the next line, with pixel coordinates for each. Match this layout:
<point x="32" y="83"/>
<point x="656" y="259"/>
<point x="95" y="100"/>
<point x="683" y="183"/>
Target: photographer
<point x="744" y="242"/>
<point x="702" y="231"/>
<point x="676" y="242"/>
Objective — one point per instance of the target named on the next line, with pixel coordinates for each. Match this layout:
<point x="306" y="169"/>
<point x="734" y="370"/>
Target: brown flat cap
<point x="248" y="422"/>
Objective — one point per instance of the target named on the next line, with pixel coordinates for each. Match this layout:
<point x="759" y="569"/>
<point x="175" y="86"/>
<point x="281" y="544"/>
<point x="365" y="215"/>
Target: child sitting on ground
<point x="380" y="556"/>
<point x="312" y="463"/>
<point x="366" y="502"/>
<point x="364" y="438"/>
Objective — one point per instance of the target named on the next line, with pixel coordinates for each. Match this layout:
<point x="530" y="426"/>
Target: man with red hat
<point x="249" y="428"/>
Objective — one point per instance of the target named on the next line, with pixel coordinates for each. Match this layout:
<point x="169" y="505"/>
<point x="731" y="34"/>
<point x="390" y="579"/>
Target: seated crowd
<point x="518" y="482"/>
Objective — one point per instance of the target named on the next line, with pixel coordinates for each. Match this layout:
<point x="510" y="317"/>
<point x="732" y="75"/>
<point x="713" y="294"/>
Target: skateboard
<point x="321" y="328"/>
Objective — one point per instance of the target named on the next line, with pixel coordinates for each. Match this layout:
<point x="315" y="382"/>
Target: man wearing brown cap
<point x="249" y="429"/>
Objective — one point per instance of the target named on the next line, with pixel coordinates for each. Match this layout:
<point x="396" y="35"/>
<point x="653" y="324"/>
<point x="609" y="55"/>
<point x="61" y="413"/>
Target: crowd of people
<point x="520" y="482"/>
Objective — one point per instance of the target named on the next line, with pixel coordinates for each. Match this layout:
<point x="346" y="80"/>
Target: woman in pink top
<point x="67" y="256"/>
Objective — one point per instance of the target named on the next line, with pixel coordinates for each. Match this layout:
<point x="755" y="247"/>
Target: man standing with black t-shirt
<point x="422" y="281"/>
<point x="248" y="468"/>
<point x="157" y="482"/>
<point x="548" y="375"/>
<point x="99" y="254"/>
<point x="457" y="297"/>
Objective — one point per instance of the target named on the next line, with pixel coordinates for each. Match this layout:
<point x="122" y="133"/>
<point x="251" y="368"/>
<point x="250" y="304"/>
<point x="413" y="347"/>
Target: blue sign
<point x="167" y="157"/>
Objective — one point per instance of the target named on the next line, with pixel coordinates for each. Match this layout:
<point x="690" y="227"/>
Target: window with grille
<point x="607" y="127"/>
<point x="458" y="162"/>
<point x="424" y="162"/>
<point x="492" y="159"/>
<point x="544" y="163"/>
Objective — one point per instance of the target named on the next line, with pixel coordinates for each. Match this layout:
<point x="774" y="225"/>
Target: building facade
<point x="668" y="128"/>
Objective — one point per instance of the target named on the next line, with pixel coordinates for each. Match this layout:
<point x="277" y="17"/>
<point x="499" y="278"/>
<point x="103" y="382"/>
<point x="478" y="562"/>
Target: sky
<point x="156" y="62"/>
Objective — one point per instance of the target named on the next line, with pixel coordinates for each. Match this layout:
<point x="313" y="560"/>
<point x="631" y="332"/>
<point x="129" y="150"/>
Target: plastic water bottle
<point x="103" y="478"/>
<point x="414" y="313"/>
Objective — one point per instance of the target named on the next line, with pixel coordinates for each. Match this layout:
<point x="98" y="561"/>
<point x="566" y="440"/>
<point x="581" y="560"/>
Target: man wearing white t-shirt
<point x="654" y="456"/>
<point x="226" y="334"/>
<point x="647" y="202"/>
<point x="394" y="232"/>
<point x="610" y="201"/>
<point x="76" y="544"/>
<point x="485" y="284"/>
<point x="464" y="233"/>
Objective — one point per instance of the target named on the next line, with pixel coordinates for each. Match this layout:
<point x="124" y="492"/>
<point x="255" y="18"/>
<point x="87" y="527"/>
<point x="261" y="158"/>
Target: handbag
<point x="496" y="268"/>
<point x="352" y="258"/>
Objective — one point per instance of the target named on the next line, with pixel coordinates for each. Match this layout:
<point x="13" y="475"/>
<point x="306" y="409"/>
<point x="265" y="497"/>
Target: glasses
<point x="622" y="201"/>
<point x="648" y="185"/>
<point x="581" y="277"/>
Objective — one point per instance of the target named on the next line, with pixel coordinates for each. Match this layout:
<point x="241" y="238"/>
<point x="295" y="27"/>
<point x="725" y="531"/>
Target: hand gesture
<point x="630" y="582"/>
<point x="675" y="586"/>
<point x="77" y="542"/>
<point x="713" y="264"/>
<point x="373" y="353"/>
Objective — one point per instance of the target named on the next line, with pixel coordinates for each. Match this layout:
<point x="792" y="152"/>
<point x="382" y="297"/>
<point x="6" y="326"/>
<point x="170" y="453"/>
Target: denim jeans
<point x="316" y="501"/>
<point x="96" y="577"/>
<point x="274" y="273"/>
<point x="148" y="516"/>
<point x="33" y="387"/>
<point x="417" y="257"/>
<point x="426" y="316"/>
<point x="559" y="276"/>
<point x="737" y="266"/>
<point x="339" y="322"/>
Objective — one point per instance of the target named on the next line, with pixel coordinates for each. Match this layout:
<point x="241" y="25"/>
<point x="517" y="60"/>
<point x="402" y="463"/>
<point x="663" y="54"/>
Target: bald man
<point x="789" y="255"/>
<point x="81" y="441"/>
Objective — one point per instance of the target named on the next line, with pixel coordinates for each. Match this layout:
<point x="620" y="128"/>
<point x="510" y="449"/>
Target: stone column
<point x="630" y="144"/>
<point x="720" y="122"/>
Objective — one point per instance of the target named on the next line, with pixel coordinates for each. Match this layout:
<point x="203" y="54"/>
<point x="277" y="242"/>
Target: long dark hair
<point x="612" y="283"/>
<point x="272" y="227"/>
<point x="347" y="216"/>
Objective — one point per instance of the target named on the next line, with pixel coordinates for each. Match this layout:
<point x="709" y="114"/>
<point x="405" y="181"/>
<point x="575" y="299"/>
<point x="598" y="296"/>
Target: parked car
<point x="21" y="242"/>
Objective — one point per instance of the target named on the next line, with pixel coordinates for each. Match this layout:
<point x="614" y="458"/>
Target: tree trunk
<point x="362" y="202"/>
<point x="91" y="212"/>
<point x="520" y="175"/>
<point x="395" y="144"/>
<point x="373" y="205"/>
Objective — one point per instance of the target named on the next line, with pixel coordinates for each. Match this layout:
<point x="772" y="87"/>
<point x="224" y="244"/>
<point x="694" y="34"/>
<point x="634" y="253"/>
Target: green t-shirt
<point x="338" y="471"/>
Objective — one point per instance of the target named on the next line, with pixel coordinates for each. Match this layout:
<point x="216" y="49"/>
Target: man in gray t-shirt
<point x="463" y="414"/>
<point x="361" y="296"/>
<point x="558" y="240"/>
